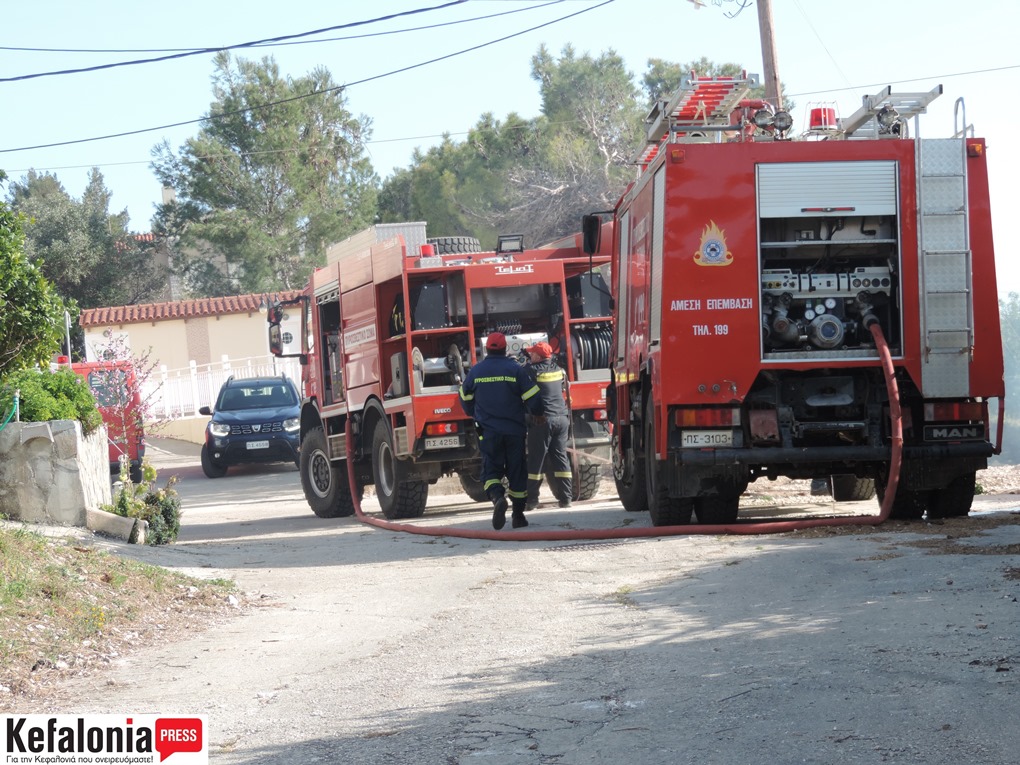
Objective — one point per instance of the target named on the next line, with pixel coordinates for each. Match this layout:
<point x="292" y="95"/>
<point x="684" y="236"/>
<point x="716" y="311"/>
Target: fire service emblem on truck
<point x="713" y="250"/>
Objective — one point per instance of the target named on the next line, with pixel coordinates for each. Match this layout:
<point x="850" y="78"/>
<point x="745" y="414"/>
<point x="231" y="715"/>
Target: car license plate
<point x="258" y="444"/>
<point x="696" y="439"/>
<point x="442" y="442"/>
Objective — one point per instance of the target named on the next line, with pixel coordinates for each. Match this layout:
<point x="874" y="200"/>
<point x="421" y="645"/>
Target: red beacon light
<point x="823" y="118"/>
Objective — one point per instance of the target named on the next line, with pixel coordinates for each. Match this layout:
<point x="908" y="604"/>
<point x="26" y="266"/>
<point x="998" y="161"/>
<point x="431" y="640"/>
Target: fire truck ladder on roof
<point x="947" y="294"/>
<point x="864" y="123"/>
<point x="700" y="104"/>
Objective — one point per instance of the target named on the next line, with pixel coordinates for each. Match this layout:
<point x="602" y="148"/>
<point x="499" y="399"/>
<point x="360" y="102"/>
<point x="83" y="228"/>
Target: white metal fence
<point x="179" y="393"/>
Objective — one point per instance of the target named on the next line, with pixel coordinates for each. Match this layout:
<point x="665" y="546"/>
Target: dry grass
<point x="66" y="609"/>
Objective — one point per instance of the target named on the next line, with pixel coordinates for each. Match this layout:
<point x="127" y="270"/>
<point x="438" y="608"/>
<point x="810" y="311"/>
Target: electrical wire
<point x="822" y="43"/>
<point x="422" y="28"/>
<point x="252" y="44"/>
<point x="306" y="95"/>
<point x="903" y="82"/>
<point x="409" y="138"/>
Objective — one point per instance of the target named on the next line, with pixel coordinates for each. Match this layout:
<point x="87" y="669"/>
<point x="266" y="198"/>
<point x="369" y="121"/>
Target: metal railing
<point x="173" y="394"/>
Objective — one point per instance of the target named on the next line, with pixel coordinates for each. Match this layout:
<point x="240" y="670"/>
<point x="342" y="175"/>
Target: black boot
<point x="517" y="520"/>
<point x="499" y="512"/>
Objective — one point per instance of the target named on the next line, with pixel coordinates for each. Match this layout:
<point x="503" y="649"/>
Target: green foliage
<point x="532" y="176"/>
<point x="45" y="395"/>
<point x="265" y="189"/>
<point x="31" y="313"/>
<point x="87" y="252"/>
<point x="161" y="508"/>
<point x="538" y="176"/>
<point x="163" y="514"/>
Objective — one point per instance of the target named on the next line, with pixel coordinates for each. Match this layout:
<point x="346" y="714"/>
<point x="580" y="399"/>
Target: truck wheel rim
<point x="319" y="472"/>
<point x="387" y="473"/>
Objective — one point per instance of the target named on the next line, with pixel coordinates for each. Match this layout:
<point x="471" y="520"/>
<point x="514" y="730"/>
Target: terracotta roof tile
<point x="180" y="309"/>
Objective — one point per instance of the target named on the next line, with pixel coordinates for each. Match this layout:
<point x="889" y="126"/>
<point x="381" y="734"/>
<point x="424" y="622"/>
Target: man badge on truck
<point x="713" y="250"/>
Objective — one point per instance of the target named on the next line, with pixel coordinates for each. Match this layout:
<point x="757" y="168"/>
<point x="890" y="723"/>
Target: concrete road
<point x="372" y="647"/>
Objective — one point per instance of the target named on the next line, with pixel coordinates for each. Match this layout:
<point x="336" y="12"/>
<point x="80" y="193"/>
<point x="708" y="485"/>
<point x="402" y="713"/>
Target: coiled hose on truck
<point x="763" y="527"/>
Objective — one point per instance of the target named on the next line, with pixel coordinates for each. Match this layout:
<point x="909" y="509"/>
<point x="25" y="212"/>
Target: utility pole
<point x="773" y="93"/>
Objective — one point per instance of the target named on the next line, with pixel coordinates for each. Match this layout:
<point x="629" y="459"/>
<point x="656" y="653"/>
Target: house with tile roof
<point x="192" y="346"/>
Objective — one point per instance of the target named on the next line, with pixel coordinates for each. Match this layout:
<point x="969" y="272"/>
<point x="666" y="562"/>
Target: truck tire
<point x="324" y="483"/>
<point x="908" y="505"/>
<point x="664" y="509"/>
<point x="629" y="477"/>
<point x="955" y="500"/>
<point x="455" y="245"/>
<point x="585" y="483"/>
<point x="398" y="497"/>
<point x="209" y="467"/>
<point x="849" y="488"/>
<point x="472" y="486"/>
<point x="717" y="509"/>
<point x="587" y="479"/>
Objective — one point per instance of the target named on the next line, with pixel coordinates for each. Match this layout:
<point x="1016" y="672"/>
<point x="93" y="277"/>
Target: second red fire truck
<point x="386" y="334"/>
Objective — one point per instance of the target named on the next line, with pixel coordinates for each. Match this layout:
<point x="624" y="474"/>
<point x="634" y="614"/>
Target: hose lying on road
<point x="762" y="527"/>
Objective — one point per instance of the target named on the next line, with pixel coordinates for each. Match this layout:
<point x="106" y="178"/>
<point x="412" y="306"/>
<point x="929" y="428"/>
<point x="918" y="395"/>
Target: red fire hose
<point x="763" y="527"/>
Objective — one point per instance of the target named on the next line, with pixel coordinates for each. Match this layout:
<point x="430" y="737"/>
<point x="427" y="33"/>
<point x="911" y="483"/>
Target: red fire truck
<point x="386" y="334"/>
<point x="757" y="277"/>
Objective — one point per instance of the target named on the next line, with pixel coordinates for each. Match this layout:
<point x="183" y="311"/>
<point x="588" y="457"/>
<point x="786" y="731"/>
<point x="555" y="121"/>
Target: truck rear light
<point x="713" y="417"/>
<point x="442" y="428"/>
<point x="954" y="411"/>
<point x="599" y="414"/>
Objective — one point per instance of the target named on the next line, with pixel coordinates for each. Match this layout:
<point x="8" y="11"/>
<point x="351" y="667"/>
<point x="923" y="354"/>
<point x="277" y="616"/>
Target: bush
<point x="163" y="512"/>
<point x="161" y="508"/>
<point x="45" y="395"/>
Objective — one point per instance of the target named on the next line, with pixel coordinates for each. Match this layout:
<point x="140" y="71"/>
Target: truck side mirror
<point x="275" y="340"/>
<point x="591" y="231"/>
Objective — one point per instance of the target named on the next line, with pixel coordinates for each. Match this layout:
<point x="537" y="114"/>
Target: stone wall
<point x="51" y="474"/>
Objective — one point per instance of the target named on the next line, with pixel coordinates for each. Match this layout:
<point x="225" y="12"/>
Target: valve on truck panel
<point x="821" y="310"/>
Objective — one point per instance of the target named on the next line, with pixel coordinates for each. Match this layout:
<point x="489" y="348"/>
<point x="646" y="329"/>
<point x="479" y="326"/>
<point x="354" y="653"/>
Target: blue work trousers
<point x="503" y="455"/>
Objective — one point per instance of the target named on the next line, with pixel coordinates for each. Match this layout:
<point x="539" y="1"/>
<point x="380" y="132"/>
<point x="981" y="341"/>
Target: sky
<point x="830" y="54"/>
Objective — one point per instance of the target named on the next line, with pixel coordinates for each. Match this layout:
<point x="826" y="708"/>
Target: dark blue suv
<point x="256" y="419"/>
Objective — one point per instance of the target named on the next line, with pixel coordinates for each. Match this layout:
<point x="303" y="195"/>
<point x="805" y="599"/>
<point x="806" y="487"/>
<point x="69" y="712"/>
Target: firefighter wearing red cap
<point x="496" y="393"/>
<point x="548" y="434"/>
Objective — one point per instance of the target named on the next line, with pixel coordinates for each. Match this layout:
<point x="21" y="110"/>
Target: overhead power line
<point x="422" y="28"/>
<point x="253" y="43"/>
<point x="306" y="95"/>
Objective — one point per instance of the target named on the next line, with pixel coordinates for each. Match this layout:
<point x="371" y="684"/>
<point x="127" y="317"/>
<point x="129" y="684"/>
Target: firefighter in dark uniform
<point x="547" y="436"/>
<point x="496" y="393"/>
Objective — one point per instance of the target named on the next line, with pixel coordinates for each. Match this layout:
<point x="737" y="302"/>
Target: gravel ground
<point x="859" y="645"/>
